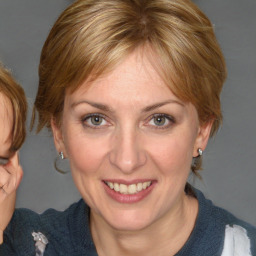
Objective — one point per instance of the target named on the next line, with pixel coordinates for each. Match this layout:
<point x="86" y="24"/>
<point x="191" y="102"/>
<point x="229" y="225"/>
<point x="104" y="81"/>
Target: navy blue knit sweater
<point x="68" y="232"/>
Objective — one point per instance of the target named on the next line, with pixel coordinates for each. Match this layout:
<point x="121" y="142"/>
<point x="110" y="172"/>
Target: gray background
<point x="229" y="174"/>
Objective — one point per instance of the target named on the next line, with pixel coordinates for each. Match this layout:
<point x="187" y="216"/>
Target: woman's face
<point x="130" y="143"/>
<point x="6" y="121"/>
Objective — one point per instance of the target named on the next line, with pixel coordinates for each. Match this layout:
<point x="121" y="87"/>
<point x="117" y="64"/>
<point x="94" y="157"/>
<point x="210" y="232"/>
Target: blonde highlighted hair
<point x="15" y="94"/>
<point x="92" y="36"/>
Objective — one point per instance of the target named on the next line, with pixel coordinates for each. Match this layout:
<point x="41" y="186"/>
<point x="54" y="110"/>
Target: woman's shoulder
<point x="240" y="236"/>
<point x="50" y="220"/>
<point x="60" y="228"/>
<point x="236" y="234"/>
<point x="221" y="215"/>
<point x="27" y="217"/>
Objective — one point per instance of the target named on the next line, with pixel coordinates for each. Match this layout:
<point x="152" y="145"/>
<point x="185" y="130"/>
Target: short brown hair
<point x="92" y="36"/>
<point x="14" y="92"/>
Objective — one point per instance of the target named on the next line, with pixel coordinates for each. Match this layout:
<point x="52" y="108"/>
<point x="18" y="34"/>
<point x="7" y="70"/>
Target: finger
<point x="14" y="162"/>
<point x="11" y="178"/>
<point x="4" y="176"/>
<point x="14" y="168"/>
<point x="13" y="182"/>
<point x="19" y="173"/>
<point x="15" y="159"/>
<point x="19" y="177"/>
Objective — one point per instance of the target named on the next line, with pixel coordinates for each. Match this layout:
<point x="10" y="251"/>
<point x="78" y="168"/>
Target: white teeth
<point x="132" y="189"/>
<point x="129" y="189"/>
<point x="110" y="184"/>
<point x="123" y="189"/>
<point x="145" y="184"/>
<point x="139" y="187"/>
<point x="116" y="187"/>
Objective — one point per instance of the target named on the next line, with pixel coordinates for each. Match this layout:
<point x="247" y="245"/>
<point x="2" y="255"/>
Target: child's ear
<point x="58" y="136"/>
<point x="203" y="136"/>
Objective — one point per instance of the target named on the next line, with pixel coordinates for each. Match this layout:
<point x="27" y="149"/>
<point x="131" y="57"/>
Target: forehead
<point x="6" y="121"/>
<point x="131" y="88"/>
<point x="134" y="76"/>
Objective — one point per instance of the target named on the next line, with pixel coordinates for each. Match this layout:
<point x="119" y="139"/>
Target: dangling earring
<point x="200" y="152"/>
<point x="61" y="165"/>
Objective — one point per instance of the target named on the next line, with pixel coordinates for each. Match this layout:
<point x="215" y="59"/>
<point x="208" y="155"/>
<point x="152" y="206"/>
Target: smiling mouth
<point x="128" y="189"/>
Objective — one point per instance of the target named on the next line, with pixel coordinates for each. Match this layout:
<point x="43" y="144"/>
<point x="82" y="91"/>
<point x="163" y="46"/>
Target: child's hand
<point x="10" y="177"/>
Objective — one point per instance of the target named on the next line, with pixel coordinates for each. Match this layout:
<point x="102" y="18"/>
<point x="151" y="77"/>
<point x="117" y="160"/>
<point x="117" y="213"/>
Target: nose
<point x="127" y="153"/>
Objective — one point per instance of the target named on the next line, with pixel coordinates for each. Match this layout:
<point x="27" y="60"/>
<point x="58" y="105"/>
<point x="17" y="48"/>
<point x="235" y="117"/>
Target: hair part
<point x="16" y="96"/>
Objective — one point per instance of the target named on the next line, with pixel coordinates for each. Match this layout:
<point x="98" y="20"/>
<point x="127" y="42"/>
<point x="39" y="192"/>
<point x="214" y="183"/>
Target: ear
<point x="58" y="137"/>
<point x="202" y="137"/>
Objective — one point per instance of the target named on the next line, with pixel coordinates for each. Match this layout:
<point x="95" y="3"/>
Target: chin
<point x="129" y="220"/>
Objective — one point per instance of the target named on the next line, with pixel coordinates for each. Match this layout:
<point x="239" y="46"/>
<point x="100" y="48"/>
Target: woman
<point x="13" y="109"/>
<point x="130" y="90"/>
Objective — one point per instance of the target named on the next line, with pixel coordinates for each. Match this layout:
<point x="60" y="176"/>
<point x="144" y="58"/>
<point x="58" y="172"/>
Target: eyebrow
<point x="93" y="104"/>
<point x="160" y="104"/>
<point x="108" y="109"/>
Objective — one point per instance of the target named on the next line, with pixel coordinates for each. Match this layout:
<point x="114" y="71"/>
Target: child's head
<point x="13" y="111"/>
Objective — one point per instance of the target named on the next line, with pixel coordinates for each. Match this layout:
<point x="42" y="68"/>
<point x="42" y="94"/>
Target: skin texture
<point x="10" y="171"/>
<point x="128" y="145"/>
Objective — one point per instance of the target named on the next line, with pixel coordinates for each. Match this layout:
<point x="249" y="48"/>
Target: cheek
<point x="173" y="154"/>
<point x="85" y="155"/>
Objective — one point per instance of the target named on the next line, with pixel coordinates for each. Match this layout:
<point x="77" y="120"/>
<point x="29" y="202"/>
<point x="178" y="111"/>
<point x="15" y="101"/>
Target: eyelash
<point x="88" y="118"/>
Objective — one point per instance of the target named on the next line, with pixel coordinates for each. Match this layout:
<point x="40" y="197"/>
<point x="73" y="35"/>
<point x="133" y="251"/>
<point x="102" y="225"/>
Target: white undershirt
<point x="236" y="243"/>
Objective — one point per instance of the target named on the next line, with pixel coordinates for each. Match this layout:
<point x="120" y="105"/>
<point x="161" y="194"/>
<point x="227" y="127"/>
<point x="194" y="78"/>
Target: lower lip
<point x="126" y="198"/>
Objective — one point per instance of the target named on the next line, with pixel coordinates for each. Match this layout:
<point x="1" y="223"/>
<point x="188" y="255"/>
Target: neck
<point x="168" y="234"/>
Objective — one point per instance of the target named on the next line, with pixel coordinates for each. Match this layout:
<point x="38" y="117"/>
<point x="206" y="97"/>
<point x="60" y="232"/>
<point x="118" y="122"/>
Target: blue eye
<point x="161" y="120"/>
<point x="94" y="120"/>
<point x="4" y="161"/>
